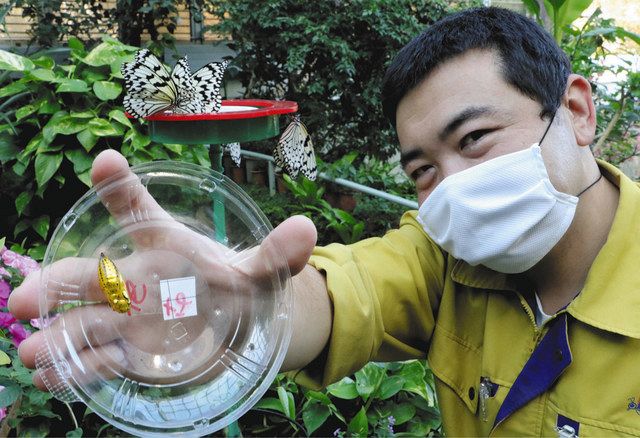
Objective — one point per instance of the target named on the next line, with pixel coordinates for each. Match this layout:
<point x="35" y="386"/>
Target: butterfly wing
<point x="309" y="167"/>
<point x="188" y="101"/>
<point x="207" y="81"/>
<point x="150" y="88"/>
<point x="234" y="151"/>
<point x="291" y="146"/>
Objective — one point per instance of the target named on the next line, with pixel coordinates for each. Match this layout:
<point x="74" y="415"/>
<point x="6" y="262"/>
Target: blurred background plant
<point x="609" y="56"/>
<point x="59" y="107"/>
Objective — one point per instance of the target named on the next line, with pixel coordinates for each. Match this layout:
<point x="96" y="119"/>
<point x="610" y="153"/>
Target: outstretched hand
<point x="293" y="240"/>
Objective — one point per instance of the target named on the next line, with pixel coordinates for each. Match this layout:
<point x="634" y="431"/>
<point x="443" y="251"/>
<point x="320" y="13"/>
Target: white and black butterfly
<point x="151" y="89"/>
<point x="294" y="152"/>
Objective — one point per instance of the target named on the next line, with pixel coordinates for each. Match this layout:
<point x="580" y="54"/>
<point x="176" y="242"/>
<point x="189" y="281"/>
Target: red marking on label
<point x="133" y="296"/>
<point x="182" y="301"/>
<point x="168" y="307"/>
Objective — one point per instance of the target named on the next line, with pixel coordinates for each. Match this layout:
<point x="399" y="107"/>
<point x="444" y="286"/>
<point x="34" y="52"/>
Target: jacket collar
<point x="610" y="299"/>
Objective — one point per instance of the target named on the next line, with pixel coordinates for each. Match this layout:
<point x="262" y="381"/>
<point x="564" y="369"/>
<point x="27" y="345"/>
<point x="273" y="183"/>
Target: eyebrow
<point x="458" y="120"/>
<point x="462" y="117"/>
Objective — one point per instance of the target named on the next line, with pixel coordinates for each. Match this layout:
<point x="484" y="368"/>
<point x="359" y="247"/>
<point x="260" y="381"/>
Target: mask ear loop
<point x="548" y="127"/>
<point x="540" y="142"/>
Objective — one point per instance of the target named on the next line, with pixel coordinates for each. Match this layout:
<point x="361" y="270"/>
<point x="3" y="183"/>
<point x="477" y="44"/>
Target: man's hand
<point x="293" y="241"/>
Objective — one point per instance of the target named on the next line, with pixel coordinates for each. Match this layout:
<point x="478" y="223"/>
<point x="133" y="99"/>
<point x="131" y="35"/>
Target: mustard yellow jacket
<point x="400" y="296"/>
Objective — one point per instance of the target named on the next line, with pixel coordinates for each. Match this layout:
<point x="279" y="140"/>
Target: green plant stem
<point x="612" y="124"/>
<point x="281" y="415"/>
<point x="73" y="416"/>
<point x="371" y="397"/>
<point x="13" y="412"/>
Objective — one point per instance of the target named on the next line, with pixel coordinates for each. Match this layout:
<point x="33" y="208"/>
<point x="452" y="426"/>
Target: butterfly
<point x="294" y="152"/>
<point x="112" y="285"/>
<point x="152" y="89"/>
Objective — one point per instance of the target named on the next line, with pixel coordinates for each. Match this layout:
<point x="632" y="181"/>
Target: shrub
<point x="329" y="56"/>
<point x="54" y="119"/>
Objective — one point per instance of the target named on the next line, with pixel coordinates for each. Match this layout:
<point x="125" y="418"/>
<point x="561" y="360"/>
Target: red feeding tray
<point x="239" y="120"/>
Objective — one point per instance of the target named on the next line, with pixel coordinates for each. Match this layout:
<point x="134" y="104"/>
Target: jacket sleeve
<point x="385" y="293"/>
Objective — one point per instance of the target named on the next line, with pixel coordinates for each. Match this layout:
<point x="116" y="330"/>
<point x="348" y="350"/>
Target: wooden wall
<point x="17" y="27"/>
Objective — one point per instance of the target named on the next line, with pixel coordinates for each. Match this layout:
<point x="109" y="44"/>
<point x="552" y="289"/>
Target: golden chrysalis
<point x="113" y="285"/>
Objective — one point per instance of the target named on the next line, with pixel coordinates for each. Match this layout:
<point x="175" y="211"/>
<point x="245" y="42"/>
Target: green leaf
<point x="14" y="87"/>
<point x="314" y="416"/>
<point x="368" y="379"/>
<point x="138" y="141"/>
<point x="390" y="387"/>
<point x="107" y="90"/>
<point x="83" y="115"/>
<point x="31" y="147"/>
<point x="36" y="252"/>
<point x="12" y="62"/>
<point x="22" y="201"/>
<point x="2" y="240"/>
<point x="68" y="125"/>
<point x="102" y="128"/>
<point x="44" y="62"/>
<point x="103" y="54"/>
<point x="175" y="148"/>
<point x="76" y="46"/>
<point x="46" y="165"/>
<point x="81" y="161"/>
<point x="20" y="227"/>
<point x="85" y="177"/>
<point x="344" y="389"/>
<point x="44" y="75"/>
<point x="118" y="116"/>
<point x="87" y="139"/>
<point x="287" y="402"/>
<point x="19" y="168"/>
<point x="320" y="396"/>
<point x="8" y="149"/>
<point x="414" y="373"/>
<point x="41" y="226"/>
<point x="75" y="433"/>
<point x="359" y="425"/>
<point x="72" y="86"/>
<point x="270" y="403"/>
<point x="4" y="357"/>
<point x="26" y="111"/>
<point x="9" y="395"/>
<point x="402" y="412"/>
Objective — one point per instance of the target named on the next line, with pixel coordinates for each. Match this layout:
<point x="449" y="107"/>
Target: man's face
<point x="465" y="113"/>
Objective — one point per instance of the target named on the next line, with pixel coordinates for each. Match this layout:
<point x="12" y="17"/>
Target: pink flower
<point x="19" y="333"/>
<point x="6" y="319"/>
<point x="26" y="265"/>
<point x="10" y="258"/>
<point x="3" y="249"/>
<point x="35" y="322"/>
<point x="3" y="411"/>
<point x="5" y="290"/>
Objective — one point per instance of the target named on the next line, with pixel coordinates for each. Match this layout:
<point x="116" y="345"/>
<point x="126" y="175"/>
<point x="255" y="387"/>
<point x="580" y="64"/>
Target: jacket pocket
<point x="457" y="364"/>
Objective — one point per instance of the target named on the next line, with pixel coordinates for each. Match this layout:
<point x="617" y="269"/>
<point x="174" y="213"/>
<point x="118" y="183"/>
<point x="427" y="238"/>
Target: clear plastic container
<point x="209" y="318"/>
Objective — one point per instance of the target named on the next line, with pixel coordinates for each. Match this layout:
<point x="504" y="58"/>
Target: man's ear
<point x="577" y="99"/>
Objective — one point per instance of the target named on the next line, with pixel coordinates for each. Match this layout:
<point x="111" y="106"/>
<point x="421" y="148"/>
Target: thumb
<point x="294" y="239"/>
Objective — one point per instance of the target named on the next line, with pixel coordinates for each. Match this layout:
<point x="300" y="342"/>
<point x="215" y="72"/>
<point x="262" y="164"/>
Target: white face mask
<point x="504" y="213"/>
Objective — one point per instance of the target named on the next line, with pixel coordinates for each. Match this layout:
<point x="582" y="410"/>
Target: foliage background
<point x="56" y="115"/>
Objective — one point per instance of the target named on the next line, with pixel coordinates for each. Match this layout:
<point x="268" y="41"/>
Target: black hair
<point x="530" y="58"/>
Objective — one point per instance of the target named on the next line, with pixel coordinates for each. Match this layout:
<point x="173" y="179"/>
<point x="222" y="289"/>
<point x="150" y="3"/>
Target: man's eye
<point x="473" y="137"/>
<point x="417" y="173"/>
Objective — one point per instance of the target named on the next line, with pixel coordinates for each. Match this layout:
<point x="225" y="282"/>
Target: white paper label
<point x="178" y="297"/>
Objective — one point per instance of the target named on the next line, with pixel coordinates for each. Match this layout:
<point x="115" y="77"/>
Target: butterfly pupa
<point x="113" y="285"/>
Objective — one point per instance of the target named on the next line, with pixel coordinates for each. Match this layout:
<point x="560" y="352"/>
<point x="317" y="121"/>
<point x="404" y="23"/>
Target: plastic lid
<point x="208" y="323"/>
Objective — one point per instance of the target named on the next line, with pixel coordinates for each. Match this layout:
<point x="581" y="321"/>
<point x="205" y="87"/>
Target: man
<point x="523" y="292"/>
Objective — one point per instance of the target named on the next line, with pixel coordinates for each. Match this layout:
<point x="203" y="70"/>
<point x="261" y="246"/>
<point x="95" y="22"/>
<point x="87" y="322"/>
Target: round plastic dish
<point x="209" y="318"/>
